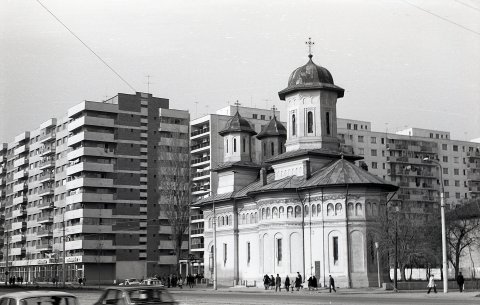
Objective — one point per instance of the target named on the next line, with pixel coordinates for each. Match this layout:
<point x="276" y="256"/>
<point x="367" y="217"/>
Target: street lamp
<point x="214" y="244"/>
<point x="397" y="209"/>
<point x="444" y="234"/>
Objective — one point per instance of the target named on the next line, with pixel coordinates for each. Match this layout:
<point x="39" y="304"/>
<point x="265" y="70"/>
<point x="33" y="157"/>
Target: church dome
<point x="310" y="77"/>
<point x="274" y="129"/>
<point x="237" y="124"/>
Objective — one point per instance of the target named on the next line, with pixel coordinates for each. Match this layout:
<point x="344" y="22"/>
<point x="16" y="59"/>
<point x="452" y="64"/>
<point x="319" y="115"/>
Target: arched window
<point x="256" y="217"/>
<point x="230" y="220"/>
<point x="306" y="209"/>
<point x="264" y="148"/>
<point x="244" y="145"/>
<point x="319" y="209"/>
<point x="289" y="212"/>
<point x="223" y="221"/>
<point x="226" y="220"/>
<point x="350" y="209"/>
<point x="374" y="209"/>
<point x="314" y="211"/>
<point x="358" y="209"/>
<point x="263" y="213"/>
<point x="281" y="211"/>
<point x="369" y="209"/>
<point x="244" y="219"/>
<point x="274" y="212"/>
<point x="226" y="146"/>
<point x="234" y="145"/>
<point x="210" y="221"/>
<point x="310" y="122"/>
<point x="338" y="209"/>
<point x="294" y="131"/>
<point x="298" y="211"/>
<point x="327" y="122"/>
<point x="272" y="148"/>
<point x="330" y="209"/>
<point x="253" y="218"/>
<point x="268" y="213"/>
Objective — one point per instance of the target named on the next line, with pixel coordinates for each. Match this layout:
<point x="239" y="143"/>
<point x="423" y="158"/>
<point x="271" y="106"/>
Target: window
<point x="360" y="139"/>
<point x="243" y="144"/>
<point x="355" y="126"/>
<point x="361" y="151"/>
<point x="447" y="195"/>
<point x="446" y="183"/>
<point x="255" y="116"/>
<point x="224" y="253"/>
<point x="279" y="250"/>
<point x="456" y="171"/>
<point x="457" y="195"/>
<point x="272" y="148"/>
<point x="226" y="146"/>
<point x="455" y="147"/>
<point x="349" y="125"/>
<point x="445" y="170"/>
<point x="373" y="140"/>
<point x="264" y="148"/>
<point x="373" y="152"/>
<point x="234" y="145"/>
<point x="383" y="140"/>
<point x="457" y="182"/>
<point x="444" y="146"/>
<point x="445" y="158"/>
<point x="335" y="250"/>
<point x="293" y="125"/>
<point x="456" y="160"/>
<point x="374" y="165"/>
<point x="262" y="117"/>
<point x="309" y="122"/>
<point x="328" y="122"/>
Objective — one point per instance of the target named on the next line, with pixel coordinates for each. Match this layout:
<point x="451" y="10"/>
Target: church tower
<point x="311" y="96"/>
<point x="272" y="138"/>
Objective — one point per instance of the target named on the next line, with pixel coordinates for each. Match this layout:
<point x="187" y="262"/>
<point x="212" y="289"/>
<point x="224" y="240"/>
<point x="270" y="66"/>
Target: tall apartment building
<point x="207" y="152"/>
<point x="399" y="157"/>
<point x="84" y="187"/>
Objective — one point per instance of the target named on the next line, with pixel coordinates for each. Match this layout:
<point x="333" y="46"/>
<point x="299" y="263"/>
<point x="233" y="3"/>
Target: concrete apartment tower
<point x="85" y="187"/>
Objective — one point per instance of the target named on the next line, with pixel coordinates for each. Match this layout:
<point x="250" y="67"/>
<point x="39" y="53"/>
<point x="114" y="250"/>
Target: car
<point x="151" y="282"/>
<point x="131" y="281"/>
<point x="130" y="295"/>
<point x="39" y="298"/>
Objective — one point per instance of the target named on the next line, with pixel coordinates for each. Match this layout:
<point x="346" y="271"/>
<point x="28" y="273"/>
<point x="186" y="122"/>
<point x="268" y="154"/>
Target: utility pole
<point x="6" y="262"/>
<point x="214" y="245"/>
<point x="63" y="245"/>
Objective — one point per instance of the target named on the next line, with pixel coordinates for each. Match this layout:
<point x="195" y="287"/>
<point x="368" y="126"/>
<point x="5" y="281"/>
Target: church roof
<point x="274" y="129"/>
<point x="321" y="152"/>
<point x="242" y="164"/>
<point x="338" y="173"/>
<point x="309" y="77"/>
<point x="237" y="124"/>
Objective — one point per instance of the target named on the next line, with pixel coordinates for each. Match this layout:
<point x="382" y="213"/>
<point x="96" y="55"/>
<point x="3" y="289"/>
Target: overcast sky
<point x="412" y="63"/>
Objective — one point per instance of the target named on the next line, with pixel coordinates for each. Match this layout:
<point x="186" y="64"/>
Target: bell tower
<point x="311" y="96"/>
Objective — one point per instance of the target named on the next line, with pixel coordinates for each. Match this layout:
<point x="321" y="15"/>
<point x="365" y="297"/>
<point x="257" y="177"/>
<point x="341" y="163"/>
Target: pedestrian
<point x="287" y="284"/>
<point x="309" y="283"/>
<point x="169" y="279"/>
<point x="180" y="282"/>
<point x="314" y="282"/>
<point x="298" y="281"/>
<point x="266" y="282"/>
<point x="460" y="281"/>
<point x="331" y="282"/>
<point x="84" y="281"/>
<point x="272" y="282"/>
<point x="278" y="283"/>
<point x="431" y="284"/>
<point x="80" y="281"/>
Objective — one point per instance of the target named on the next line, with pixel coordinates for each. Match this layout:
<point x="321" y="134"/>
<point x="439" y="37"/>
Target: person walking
<point x="287" y="284"/>
<point x="460" y="281"/>
<point x="314" y="283"/>
<point x="431" y="284"/>
<point x="298" y="281"/>
<point x="331" y="282"/>
<point x="310" y="284"/>
<point x="266" y="282"/>
<point x="278" y="283"/>
<point x="272" y="282"/>
<point x="180" y="282"/>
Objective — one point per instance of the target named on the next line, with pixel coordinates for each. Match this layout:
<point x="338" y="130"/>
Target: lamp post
<point x="444" y="234"/>
<point x="397" y="209"/>
<point x="214" y="245"/>
<point x="378" y="266"/>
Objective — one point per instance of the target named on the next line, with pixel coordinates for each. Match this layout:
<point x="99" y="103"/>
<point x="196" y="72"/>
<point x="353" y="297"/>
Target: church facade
<point x="307" y="208"/>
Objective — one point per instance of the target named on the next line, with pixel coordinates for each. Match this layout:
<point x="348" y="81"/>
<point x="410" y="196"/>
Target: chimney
<point x="263" y="176"/>
<point x="306" y="169"/>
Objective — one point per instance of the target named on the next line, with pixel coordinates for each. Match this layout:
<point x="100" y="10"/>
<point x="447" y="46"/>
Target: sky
<point x="403" y="63"/>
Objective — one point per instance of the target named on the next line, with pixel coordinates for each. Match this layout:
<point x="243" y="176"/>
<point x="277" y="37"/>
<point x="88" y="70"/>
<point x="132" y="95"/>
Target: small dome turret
<point x="237" y="124"/>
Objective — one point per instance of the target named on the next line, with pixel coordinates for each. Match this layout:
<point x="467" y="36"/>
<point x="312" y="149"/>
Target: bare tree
<point x="463" y="230"/>
<point x="175" y="186"/>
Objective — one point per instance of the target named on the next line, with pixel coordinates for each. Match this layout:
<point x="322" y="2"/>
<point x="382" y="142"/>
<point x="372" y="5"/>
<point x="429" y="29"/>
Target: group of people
<point x="431" y="283"/>
<point x="270" y="282"/>
<point x="178" y="281"/>
<point x="12" y="280"/>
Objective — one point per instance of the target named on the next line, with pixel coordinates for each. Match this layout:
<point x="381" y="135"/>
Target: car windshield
<point x="132" y="280"/>
<point x="147" y="296"/>
<point x="49" y="300"/>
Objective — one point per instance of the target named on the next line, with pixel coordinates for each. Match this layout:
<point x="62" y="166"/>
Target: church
<point x="305" y="208"/>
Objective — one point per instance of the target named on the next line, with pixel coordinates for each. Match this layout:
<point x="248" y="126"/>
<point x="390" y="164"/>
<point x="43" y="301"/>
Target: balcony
<point x="20" y="175"/>
<point x="88" y="244"/>
<point x="22" y="212"/>
<point x="474" y="189"/>
<point x="473" y="154"/>
<point x="199" y="146"/>
<point x="90" y="151"/>
<point x="198" y="231"/>
<point x="20" y="187"/>
<point x="44" y="164"/>
<point x="20" y="162"/>
<point x="90" y="120"/>
<point x="17" y="251"/>
<point x="46" y="176"/>
<point x="89" y="197"/>
<point x="197" y="247"/>
<point x="46" y="247"/>
<point x="46" y="205"/>
<point x="199" y="132"/>
<point x="90" y="136"/>
<point x="196" y="217"/>
<point x="45" y="233"/>
<point x="19" y="225"/>
<point x="50" y="136"/>
<point x="20" y="200"/>
<point x="391" y="146"/>
<point x="19" y="238"/>
<point x="47" y="190"/>
<point x="45" y="151"/>
<point x="475" y="165"/>
<point x="200" y="160"/>
<point x="90" y="167"/>
<point x="90" y="182"/>
<point x="200" y="189"/>
<point x="20" y="149"/>
<point x="45" y="219"/>
<point x="473" y="176"/>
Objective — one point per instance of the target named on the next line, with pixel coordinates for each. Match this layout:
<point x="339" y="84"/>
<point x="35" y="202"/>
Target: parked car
<point x="131" y="281"/>
<point x="151" y="282"/>
<point x="39" y="298"/>
<point x="131" y="295"/>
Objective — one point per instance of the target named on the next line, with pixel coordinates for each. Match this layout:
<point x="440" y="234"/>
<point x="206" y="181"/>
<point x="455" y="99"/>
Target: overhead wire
<point x="85" y="44"/>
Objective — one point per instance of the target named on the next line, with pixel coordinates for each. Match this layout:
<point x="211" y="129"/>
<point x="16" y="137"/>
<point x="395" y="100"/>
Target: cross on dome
<point x="310" y="43"/>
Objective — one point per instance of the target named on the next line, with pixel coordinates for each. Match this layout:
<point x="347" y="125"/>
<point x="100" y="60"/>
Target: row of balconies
<point x="200" y="160"/>
<point x="49" y="136"/>
<point x="90" y="136"/>
<point x="20" y="187"/>
<point x="201" y="145"/>
<point x="201" y="174"/>
<point x="90" y="151"/>
<point x="199" y="132"/>
<point x="473" y="154"/>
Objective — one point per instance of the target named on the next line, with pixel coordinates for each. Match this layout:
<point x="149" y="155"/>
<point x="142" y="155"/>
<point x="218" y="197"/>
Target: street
<point x="258" y="297"/>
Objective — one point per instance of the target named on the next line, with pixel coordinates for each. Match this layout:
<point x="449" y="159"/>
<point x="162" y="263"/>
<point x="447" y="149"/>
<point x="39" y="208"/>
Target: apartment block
<point x="400" y="157"/>
<point x="207" y="151"/>
<point x="83" y="188"/>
